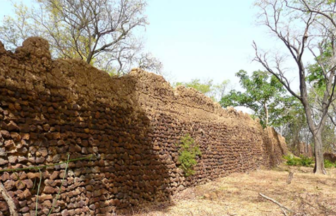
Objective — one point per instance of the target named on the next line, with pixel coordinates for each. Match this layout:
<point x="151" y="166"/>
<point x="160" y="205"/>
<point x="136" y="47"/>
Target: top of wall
<point x="31" y="68"/>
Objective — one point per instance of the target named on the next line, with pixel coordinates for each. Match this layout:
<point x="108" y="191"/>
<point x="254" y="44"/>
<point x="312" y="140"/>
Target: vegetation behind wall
<point x="128" y="126"/>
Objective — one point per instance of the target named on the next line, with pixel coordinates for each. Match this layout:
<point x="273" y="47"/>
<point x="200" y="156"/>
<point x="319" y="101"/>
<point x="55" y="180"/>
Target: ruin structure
<point x="126" y="129"/>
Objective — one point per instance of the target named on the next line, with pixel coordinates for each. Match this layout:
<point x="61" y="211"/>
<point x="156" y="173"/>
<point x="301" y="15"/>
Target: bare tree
<point x="99" y="32"/>
<point x="9" y="200"/>
<point x="331" y="114"/>
<point x="148" y="62"/>
<point x="304" y="27"/>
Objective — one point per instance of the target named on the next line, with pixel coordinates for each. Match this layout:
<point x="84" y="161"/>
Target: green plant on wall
<point x="188" y="151"/>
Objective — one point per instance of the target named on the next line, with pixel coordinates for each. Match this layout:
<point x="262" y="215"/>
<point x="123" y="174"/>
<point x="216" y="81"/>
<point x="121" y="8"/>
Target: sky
<point x="199" y="39"/>
<point x="204" y="39"/>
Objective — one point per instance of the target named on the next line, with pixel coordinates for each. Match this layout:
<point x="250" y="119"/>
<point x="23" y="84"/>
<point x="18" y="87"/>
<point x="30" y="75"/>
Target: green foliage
<point x="317" y="79"/>
<point x="306" y="161"/>
<point x="296" y="130"/>
<point x="201" y="86"/>
<point x="329" y="164"/>
<point x="188" y="152"/>
<point x="299" y="161"/>
<point x="316" y="75"/>
<point x="293" y="162"/>
<point x="215" y="92"/>
<point x="263" y="94"/>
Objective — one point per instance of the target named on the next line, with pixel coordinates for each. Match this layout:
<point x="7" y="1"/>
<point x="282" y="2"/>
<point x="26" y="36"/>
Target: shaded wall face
<point x="124" y="171"/>
<point x="330" y="157"/>
<point x="51" y="109"/>
<point x="303" y="149"/>
<point x="274" y="147"/>
<point x="120" y="132"/>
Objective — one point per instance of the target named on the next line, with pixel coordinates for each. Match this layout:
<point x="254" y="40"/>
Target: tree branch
<point x="9" y="200"/>
<point x="283" y="208"/>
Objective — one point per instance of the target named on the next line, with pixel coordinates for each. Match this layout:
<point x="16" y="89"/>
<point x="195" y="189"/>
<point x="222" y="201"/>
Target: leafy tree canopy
<point x="201" y="86"/>
<point x="265" y="95"/>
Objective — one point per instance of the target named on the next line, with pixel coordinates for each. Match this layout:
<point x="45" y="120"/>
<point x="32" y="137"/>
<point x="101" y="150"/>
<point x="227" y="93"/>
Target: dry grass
<point x="238" y="194"/>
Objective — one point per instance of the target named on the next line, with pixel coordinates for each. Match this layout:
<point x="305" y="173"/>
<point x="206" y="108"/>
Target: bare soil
<point x="239" y="194"/>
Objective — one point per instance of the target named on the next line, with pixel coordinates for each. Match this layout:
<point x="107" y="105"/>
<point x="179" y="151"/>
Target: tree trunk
<point x="316" y="132"/>
<point x="319" y="160"/>
<point x="9" y="200"/>
<point x="266" y="113"/>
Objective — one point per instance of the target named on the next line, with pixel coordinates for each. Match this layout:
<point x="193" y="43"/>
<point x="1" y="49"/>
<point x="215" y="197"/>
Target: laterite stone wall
<point x="128" y="126"/>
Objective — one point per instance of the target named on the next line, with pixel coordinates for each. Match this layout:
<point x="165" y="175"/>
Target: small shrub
<point x="301" y="161"/>
<point x="187" y="154"/>
<point x="305" y="161"/>
<point x="329" y="164"/>
<point x="288" y="156"/>
<point x="293" y="162"/>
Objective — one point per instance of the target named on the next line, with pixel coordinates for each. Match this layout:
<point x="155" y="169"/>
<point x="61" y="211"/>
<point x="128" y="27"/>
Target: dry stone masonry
<point x="129" y="126"/>
<point x="303" y="149"/>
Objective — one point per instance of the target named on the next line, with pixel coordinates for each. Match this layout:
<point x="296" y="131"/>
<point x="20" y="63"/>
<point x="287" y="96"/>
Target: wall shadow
<point x="125" y="171"/>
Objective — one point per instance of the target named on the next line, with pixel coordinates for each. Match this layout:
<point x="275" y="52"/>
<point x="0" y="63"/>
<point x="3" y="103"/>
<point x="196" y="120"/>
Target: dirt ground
<point x="239" y="194"/>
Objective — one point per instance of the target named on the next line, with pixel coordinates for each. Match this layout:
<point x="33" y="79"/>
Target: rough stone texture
<point x="274" y="146"/>
<point x="303" y="149"/>
<point x="130" y="124"/>
<point x="330" y="157"/>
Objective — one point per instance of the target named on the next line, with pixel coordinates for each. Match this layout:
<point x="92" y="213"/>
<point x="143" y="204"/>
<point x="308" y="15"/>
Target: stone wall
<point x="274" y="146"/>
<point x="303" y="149"/>
<point x="330" y="157"/>
<point x="128" y="126"/>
